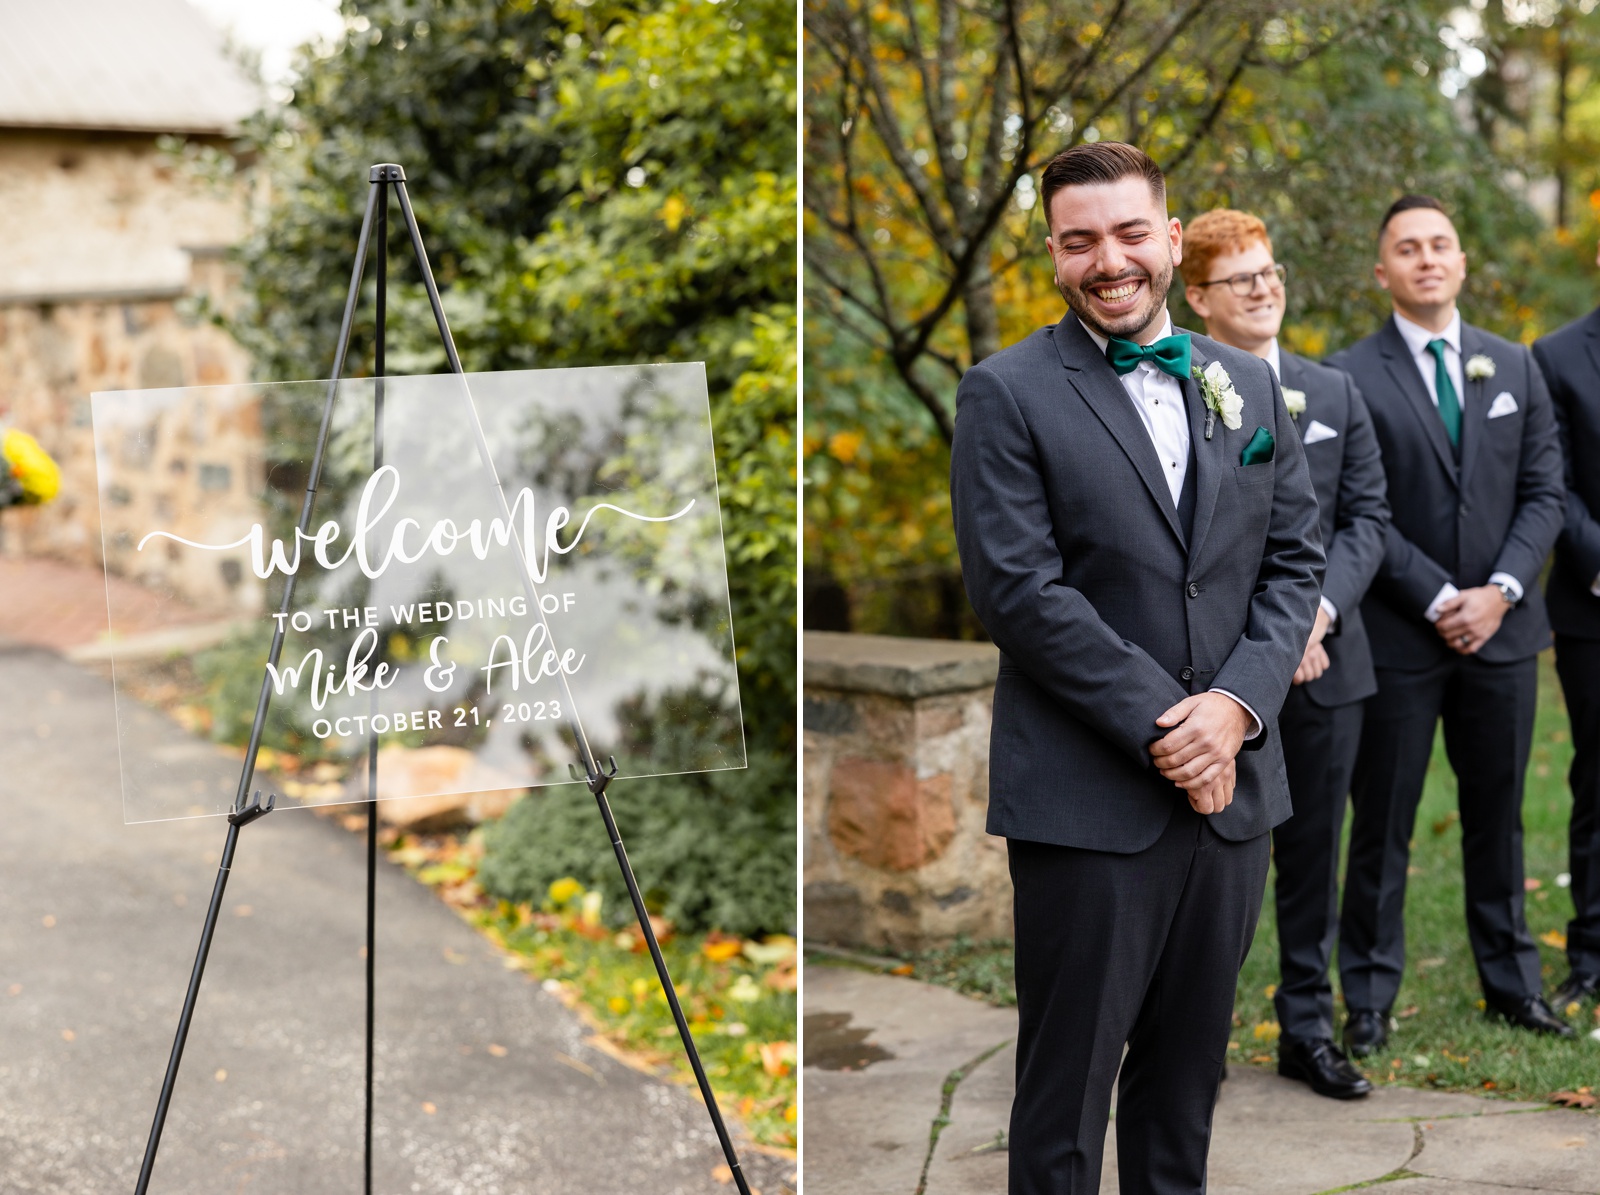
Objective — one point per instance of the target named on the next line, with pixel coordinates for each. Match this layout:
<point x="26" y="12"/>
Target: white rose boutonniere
<point x="1295" y="400"/>
<point x="1216" y="387"/>
<point x="1480" y="367"/>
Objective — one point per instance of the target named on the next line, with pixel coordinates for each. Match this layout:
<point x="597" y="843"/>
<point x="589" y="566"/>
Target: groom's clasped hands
<point x="1197" y="754"/>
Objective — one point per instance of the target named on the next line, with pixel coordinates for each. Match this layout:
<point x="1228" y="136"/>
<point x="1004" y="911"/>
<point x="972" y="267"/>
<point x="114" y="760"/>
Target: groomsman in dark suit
<point x="1456" y="618"/>
<point x="1138" y="533"/>
<point x="1570" y="360"/>
<point x="1238" y="289"/>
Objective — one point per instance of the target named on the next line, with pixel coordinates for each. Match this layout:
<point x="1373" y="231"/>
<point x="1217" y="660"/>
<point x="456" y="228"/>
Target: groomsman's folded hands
<point x="1198" y="753"/>
<point x="1469" y="619"/>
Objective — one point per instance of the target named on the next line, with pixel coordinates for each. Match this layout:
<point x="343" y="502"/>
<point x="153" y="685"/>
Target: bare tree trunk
<point x="1563" y="69"/>
<point x="983" y="318"/>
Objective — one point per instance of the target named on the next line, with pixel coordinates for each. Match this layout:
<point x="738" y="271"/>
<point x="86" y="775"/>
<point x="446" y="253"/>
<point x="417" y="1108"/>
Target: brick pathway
<point x="46" y="603"/>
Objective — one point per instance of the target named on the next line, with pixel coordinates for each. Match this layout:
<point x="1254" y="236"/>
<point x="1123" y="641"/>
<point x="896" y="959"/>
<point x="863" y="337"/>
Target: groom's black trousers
<point x="1141" y="950"/>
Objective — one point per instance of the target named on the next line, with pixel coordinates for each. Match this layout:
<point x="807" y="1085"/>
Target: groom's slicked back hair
<point x="1407" y="203"/>
<point x="1097" y="164"/>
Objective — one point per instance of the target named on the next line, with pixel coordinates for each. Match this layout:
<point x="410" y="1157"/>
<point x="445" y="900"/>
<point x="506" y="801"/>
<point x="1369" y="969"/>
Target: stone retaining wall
<point x="896" y="787"/>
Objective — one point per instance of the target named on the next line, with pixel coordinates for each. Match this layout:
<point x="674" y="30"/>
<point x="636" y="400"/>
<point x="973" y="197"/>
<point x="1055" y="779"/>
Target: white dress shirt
<point x="1275" y="359"/>
<point x="1158" y="397"/>
<point x="1417" y="339"/>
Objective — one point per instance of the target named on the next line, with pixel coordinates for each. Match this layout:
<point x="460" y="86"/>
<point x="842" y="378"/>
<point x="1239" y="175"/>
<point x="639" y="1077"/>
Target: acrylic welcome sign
<point x="494" y="565"/>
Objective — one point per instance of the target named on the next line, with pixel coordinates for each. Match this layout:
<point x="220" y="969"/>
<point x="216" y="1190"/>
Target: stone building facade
<point x="112" y="238"/>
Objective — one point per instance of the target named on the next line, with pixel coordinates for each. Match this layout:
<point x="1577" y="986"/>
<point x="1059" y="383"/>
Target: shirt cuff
<point x="1444" y="595"/>
<point x="1255" y="717"/>
<point x="1509" y="582"/>
<point x="1595" y="588"/>
<point x="1332" y="612"/>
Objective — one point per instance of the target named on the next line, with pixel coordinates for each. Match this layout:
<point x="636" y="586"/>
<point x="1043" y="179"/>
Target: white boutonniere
<point x="1216" y="387"/>
<point x="1295" y="400"/>
<point x="1480" y="367"/>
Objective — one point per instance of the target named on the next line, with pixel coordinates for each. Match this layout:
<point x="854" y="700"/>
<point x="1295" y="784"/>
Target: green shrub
<point x="712" y="850"/>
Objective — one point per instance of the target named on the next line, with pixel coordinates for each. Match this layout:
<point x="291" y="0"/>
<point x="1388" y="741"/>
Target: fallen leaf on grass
<point x="1261" y="1058"/>
<point x="428" y="1108"/>
<point x="777" y="1057"/>
<point x="498" y="1051"/>
<point x="903" y="969"/>
<point x="68" y="1035"/>
<point x="1268" y="1031"/>
<point x="1572" y="1099"/>
<point x="1532" y="885"/>
<point x="1445" y="822"/>
<point x="719" y="948"/>
<point x="1554" y="939"/>
<point x="1409" y="1010"/>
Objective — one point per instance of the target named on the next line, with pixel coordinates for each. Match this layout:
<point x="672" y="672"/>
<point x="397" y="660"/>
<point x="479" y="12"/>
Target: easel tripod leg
<point x="597" y="785"/>
<point x="236" y="819"/>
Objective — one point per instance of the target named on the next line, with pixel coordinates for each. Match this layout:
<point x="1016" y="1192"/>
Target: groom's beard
<point x="1131" y="323"/>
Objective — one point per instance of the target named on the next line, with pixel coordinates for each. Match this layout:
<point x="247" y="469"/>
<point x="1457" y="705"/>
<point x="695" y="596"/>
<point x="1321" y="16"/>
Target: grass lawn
<point x="1444" y="1039"/>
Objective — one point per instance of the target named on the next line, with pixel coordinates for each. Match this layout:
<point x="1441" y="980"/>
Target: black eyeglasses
<point x="1244" y="284"/>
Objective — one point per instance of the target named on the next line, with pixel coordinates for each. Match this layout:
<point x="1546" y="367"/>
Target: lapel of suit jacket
<point x="1402" y="368"/>
<point x="1093" y="378"/>
<point x="1475" y="419"/>
<point x="1291" y="377"/>
<point x="1209" y="455"/>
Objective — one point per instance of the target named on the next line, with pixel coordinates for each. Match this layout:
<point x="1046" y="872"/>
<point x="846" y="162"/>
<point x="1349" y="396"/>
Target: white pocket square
<point x="1317" y="432"/>
<point x="1503" y="404"/>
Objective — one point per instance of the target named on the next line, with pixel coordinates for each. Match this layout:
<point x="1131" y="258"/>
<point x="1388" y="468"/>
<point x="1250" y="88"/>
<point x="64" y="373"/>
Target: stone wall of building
<point x="110" y="242"/>
<point x="896" y="793"/>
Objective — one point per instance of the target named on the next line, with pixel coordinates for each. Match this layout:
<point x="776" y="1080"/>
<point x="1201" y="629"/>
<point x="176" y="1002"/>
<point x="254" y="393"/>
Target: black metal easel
<point x="382" y="178"/>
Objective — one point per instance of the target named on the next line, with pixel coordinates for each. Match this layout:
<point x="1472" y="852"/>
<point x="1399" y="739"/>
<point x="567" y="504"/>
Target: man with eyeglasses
<point x="1469" y="444"/>
<point x="1238" y="290"/>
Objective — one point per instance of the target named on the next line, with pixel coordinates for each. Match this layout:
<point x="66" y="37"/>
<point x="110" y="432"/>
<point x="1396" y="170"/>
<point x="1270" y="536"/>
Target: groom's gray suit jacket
<point x="1106" y="614"/>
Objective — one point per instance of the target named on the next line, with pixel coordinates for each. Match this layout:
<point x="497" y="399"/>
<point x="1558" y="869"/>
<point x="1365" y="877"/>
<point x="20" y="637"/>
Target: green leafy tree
<point x="597" y="182"/>
<point x="1330" y="118"/>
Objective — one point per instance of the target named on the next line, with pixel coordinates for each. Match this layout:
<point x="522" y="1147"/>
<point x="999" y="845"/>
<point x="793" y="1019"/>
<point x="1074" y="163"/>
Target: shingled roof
<point x="151" y="66"/>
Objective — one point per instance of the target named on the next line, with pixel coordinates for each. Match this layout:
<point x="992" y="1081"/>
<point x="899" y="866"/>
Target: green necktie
<point x="1449" y="404"/>
<point x="1170" y="355"/>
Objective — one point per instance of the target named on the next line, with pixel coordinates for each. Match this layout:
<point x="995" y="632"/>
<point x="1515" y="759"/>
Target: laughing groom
<point x="1456" y="619"/>
<point x="1139" y="535"/>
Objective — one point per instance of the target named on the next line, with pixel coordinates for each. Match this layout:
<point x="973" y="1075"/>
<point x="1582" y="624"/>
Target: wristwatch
<point x="1506" y="592"/>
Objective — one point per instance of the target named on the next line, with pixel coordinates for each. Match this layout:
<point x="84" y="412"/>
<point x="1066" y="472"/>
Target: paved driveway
<point x="484" y="1083"/>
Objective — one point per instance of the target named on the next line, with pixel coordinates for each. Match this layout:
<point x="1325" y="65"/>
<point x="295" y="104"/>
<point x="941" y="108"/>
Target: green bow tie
<point x="1170" y="355"/>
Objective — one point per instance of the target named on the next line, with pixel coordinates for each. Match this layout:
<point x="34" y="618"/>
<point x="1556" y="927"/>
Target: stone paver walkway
<point x="485" y="1084"/>
<point x="918" y="1054"/>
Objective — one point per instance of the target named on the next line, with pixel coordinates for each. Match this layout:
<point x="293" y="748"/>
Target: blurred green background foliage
<point x="597" y="182"/>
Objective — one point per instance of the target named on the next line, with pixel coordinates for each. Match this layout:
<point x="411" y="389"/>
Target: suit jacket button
<point x="1462" y="510"/>
<point x="1194" y="590"/>
<point x="1187" y="674"/>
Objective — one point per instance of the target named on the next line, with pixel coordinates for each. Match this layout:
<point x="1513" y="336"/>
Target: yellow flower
<point x="31" y="466"/>
<point x="564" y="890"/>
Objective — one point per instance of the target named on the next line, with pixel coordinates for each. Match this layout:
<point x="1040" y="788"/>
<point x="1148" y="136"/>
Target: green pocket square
<point x="1259" y="449"/>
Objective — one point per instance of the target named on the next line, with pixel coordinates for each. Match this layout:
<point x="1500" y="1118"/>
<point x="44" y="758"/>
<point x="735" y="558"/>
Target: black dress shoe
<point x="1319" y="1063"/>
<point x="1533" y="1013"/>
<point x="1577" y="988"/>
<point x="1365" y="1030"/>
